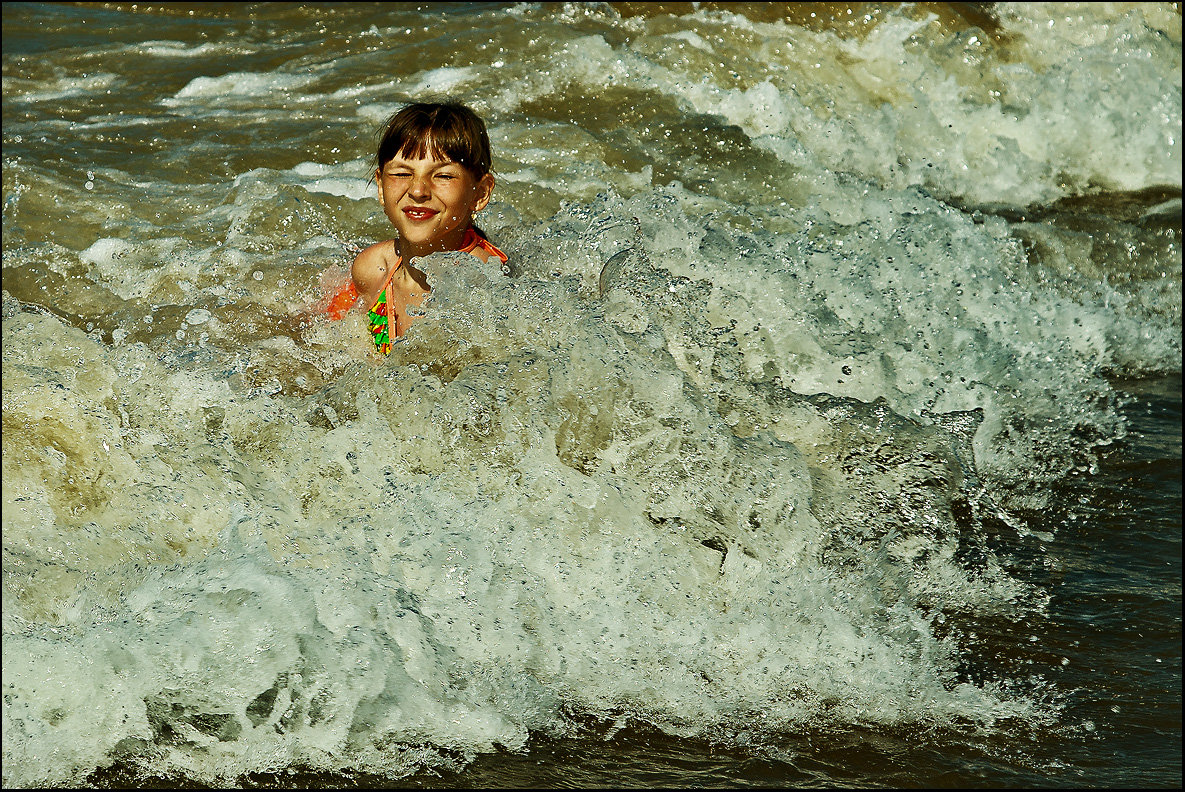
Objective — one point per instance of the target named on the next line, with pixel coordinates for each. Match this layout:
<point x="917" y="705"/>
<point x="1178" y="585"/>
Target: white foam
<point x="354" y="189"/>
<point x="444" y="79"/>
<point x="695" y="465"/>
<point x="65" y="87"/>
<point x="179" y="49"/>
<point x="240" y="84"/>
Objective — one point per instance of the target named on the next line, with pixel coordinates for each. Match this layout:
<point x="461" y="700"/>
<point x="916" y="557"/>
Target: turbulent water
<point x="783" y="437"/>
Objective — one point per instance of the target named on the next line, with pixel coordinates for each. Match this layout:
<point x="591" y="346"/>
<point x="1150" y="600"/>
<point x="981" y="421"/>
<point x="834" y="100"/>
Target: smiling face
<point x="430" y="201"/>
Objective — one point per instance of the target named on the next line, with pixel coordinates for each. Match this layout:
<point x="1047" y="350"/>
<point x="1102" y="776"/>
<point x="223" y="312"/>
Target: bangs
<point x="433" y="146"/>
<point x="446" y="132"/>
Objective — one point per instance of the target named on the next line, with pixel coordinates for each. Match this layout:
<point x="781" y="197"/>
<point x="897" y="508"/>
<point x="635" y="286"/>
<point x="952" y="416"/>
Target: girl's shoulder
<point x="375" y="261"/>
<point x="380" y="253"/>
<point x="372" y="267"/>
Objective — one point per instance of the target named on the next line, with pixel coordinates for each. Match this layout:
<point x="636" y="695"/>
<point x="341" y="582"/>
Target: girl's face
<point x="430" y="202"/>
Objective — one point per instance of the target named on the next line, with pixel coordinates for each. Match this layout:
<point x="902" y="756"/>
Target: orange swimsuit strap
<point x="473" y="240"/>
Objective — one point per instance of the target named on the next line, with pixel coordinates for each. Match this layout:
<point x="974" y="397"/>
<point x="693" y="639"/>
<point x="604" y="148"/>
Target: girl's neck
<point x="454" y="240"/>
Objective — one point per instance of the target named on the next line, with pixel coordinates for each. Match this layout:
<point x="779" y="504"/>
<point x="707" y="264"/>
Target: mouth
<point x="419" y="214"/>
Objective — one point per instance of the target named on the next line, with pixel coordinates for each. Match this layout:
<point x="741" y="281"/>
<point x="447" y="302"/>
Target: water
<point x="827" y="431"/>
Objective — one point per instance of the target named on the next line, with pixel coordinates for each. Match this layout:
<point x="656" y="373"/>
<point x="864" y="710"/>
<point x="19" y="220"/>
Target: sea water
<point x="823" y="428"/>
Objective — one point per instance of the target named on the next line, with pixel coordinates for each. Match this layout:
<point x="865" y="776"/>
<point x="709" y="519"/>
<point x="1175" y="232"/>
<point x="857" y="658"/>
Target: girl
<point x="433" y="174"/>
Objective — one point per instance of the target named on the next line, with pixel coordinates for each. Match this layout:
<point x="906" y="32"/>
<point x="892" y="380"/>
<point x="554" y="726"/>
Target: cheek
<point x="390" y="195"/>
<point x="468" y="197"/>
<point x="455" y="201"/>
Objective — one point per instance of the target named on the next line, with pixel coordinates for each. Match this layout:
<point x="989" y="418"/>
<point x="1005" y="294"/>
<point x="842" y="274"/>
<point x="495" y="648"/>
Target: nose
<point x="419" y="187"/>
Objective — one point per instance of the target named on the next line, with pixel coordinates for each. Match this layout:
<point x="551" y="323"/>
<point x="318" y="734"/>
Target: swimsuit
<point x="381" y="317"/>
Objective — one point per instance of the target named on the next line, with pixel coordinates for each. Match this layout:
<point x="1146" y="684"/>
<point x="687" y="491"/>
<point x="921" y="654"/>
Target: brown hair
<point x="442" y="130"/>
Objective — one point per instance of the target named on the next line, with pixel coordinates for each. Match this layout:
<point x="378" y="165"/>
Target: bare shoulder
<point x="374" y="262"/>
<point x="371" y="267"/>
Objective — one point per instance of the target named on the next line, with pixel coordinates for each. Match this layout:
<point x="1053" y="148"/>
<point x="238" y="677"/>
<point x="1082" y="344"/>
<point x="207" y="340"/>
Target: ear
<point x="485" y="188"/>
<point x="378" y="181"/>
